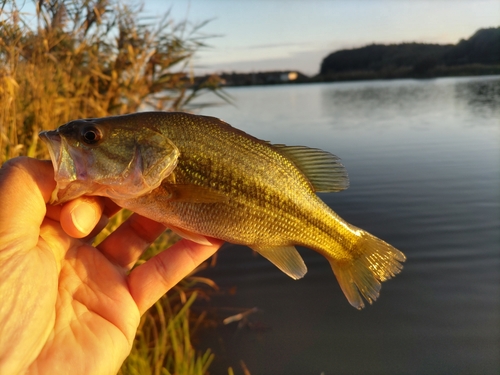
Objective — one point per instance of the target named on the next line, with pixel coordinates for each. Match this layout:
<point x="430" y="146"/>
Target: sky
<point x="263" y="35"/>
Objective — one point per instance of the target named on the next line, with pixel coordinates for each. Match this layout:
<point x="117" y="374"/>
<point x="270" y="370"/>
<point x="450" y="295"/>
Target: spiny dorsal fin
<point x="286" y="258"/>
<point x="324" y="170"/>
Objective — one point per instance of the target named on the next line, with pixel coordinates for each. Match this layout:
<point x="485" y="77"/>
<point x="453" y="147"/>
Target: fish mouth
<point x="53" y="141"/>
<point x="64" y="166"/>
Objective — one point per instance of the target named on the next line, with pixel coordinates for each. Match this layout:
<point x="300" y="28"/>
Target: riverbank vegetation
<point x="478" y="55"/>
<point x="71" y="59"/>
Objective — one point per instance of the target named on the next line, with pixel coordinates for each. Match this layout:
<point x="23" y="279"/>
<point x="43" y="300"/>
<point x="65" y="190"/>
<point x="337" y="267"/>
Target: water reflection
<point x="380" y="103"/>
<point x="481" y="95"/>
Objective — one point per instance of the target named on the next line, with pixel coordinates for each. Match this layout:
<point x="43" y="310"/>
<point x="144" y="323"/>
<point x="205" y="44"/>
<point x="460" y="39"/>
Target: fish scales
<point x="202" y="177"/>
<point x="252" y="165"/>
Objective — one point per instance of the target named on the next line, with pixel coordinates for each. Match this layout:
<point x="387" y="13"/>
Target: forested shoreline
<point x="480" y="54"/>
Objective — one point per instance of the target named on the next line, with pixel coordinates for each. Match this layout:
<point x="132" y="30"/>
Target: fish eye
<point x="90" y="135"/>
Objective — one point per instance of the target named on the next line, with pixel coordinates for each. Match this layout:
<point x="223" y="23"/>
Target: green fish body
<point x="201" y="177"/>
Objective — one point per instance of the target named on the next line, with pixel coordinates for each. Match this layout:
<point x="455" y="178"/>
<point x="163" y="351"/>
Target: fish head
<point x="108" y="157"/>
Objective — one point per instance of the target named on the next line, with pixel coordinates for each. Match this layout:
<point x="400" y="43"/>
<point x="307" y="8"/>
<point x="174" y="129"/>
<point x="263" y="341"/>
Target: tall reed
<point x="73" y="59"/>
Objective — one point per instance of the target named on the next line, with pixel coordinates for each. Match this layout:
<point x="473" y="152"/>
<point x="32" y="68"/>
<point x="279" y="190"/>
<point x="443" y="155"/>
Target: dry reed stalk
<point x="95" y="58"/>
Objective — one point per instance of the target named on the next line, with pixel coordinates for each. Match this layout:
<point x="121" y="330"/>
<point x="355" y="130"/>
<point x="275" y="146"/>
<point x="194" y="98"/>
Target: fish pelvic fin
<point x="286" y="258"/>
<point x="374" y="261"/>
<point x="191" y="236"/>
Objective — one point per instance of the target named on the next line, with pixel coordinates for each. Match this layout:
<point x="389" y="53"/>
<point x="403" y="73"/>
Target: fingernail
<point x="84" y="217"/>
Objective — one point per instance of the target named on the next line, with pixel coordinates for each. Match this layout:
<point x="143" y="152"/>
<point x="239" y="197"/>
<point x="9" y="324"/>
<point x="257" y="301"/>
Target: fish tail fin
<point x="373" y="262"/>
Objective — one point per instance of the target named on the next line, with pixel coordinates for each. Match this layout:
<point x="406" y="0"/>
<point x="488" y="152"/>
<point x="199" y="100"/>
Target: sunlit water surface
<point x="423" y="159"/>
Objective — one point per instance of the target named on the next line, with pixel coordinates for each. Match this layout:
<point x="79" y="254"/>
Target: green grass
<point x="163" y="345"/>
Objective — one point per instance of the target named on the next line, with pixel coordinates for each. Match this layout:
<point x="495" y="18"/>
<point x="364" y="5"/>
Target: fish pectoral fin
<point x="324" y="170"/>
<point x="286" y="258"/>
<point x="195" y="194"/>
<point x="170" y="178"/>
<point x="191" y="236"/>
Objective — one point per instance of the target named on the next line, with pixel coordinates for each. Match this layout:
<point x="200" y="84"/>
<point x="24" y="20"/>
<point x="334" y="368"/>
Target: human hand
<point x="66" y="306"/>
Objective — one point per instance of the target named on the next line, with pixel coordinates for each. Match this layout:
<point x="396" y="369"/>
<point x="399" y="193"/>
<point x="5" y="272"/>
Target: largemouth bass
<point x="201" y="177"/>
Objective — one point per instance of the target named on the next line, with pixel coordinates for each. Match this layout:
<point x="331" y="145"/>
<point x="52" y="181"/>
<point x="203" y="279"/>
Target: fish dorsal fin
<point x="194" y="194"/>
<point x="286" y="258"/>
<point x="322" y="169"/>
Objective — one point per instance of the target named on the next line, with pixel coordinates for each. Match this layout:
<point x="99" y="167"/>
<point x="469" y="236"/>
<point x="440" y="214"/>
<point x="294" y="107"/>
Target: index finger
<point x="126" y="244"/>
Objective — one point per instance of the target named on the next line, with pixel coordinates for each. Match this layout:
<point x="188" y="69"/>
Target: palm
<point x="91" y="307"/>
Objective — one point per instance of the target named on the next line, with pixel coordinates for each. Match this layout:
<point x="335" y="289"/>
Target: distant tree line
<point x="480" y="54"/>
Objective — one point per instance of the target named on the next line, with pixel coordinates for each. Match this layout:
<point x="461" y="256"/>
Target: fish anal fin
<point x="286" y="258"/>
<point x="195" y="237"/>
<point x="323" y="169"/>
<point x="374" y="261"/>
<point x="195" y="194"/>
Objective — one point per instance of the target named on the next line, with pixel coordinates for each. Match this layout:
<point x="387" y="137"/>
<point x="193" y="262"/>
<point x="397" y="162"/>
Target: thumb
<point x="81" y="215"/>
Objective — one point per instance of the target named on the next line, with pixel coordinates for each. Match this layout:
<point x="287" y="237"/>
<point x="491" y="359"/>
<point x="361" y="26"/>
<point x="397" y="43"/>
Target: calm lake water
<point x="424" y="164"/>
